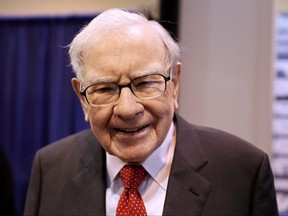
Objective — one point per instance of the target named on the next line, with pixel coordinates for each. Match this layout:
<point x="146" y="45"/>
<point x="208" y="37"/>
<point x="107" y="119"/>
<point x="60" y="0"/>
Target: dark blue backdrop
<point x="37" y="103"/>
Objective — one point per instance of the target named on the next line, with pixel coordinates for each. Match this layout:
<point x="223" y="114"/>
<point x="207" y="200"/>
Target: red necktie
<point x="131" y="202"/>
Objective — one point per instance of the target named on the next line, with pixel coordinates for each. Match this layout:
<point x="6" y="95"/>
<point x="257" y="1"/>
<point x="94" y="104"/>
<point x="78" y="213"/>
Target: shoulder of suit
<point x="215" y="140"/>
<point x="70" y="145"/>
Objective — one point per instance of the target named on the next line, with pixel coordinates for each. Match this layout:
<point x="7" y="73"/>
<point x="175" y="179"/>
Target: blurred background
<point x="235" y="76"/>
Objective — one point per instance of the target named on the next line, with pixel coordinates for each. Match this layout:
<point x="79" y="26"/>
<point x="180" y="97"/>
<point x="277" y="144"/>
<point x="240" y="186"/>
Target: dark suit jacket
<point x="213" y="173"/>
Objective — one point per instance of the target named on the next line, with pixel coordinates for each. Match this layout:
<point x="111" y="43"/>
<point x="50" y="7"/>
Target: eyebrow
<point x="105" y="79"/>
<point x="146" y="73"/>
<point x="99" y="79"/>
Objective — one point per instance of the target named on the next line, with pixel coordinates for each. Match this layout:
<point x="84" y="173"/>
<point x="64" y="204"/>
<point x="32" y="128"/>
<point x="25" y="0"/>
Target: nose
<point x="127" y="107"/>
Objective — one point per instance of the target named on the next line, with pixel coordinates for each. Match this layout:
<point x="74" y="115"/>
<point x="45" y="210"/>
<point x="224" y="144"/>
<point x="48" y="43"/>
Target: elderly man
<point x="140" y="157"/>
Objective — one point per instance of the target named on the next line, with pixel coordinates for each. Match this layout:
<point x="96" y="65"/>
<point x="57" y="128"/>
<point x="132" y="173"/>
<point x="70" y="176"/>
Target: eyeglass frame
<point x="120" y="87"/>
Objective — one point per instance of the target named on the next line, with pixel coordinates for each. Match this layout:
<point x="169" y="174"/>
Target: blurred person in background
<point x="6" y="191"/>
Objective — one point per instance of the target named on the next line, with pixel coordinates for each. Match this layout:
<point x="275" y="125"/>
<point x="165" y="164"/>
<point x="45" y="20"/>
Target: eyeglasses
<point x="144" y="87"/>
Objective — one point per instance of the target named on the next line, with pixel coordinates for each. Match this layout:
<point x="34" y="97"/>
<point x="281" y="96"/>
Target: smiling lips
<point x="131" y="130"/>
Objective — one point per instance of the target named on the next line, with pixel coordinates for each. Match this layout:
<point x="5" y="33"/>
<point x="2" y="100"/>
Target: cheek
<point x="168" y="102"/>
<point x="98" y="118"/>
<point x="163" y="109"/>
<point x="166" y="109"/>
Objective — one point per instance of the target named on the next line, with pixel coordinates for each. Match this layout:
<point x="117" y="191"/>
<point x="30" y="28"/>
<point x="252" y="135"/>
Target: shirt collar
<point x="153" y="164"/>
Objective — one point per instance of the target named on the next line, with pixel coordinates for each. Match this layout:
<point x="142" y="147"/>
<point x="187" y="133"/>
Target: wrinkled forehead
<point x="136" y="39"/>
<point x="138" y="35"/>
<point x="124" y="53"/>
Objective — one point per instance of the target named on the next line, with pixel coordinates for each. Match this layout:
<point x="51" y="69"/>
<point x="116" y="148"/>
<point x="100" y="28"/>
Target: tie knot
<point x="132" y="175"/>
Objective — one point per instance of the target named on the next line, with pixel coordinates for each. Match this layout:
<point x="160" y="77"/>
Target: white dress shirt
<point x="154" y="186"/>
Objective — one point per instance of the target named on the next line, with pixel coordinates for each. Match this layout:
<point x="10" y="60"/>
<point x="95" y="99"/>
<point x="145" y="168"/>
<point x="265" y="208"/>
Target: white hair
<point x="115" y="19"/>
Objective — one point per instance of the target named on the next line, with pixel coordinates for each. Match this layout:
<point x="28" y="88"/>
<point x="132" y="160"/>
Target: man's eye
<point x="146" y="84"/>
<point x="106" y="90"/>
<point x="102" y="89"/>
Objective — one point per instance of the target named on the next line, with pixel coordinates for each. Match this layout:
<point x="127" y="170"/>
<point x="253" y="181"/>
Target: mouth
<point x="131" y="130"/>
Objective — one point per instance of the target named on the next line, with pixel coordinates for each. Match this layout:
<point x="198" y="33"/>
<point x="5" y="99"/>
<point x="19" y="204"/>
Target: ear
<point x="176" y="82"/>
<point x="85" y="106"/>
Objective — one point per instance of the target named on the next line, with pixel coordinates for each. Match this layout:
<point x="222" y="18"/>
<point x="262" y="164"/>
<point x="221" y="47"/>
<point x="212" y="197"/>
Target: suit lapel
<point x="89" y="184"/>
<point x="187" y="190"/>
